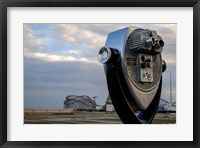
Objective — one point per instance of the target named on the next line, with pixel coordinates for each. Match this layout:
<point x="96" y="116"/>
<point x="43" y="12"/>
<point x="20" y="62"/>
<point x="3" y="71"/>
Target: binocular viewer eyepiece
<point x="108" y="55"/>
<point x="133" y="66"/>
<point x="146" y="41"/>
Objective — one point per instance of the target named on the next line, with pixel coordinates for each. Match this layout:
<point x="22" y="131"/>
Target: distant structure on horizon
<point x="86" y="103"/>
<point x="108" y="105"/>
<point x="80" y="103"/>
<point x="165" y="105"/>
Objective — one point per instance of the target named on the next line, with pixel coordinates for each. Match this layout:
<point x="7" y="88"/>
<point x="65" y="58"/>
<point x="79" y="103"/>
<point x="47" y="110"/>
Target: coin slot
<point x="142" y="58"/>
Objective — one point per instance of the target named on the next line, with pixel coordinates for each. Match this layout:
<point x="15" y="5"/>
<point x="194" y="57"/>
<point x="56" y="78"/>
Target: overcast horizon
<point x="61" y="60"/>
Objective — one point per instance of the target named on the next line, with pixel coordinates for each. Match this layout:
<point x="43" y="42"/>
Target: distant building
<point x="79" y="102"/>
<point x="99" y="108"/>
<point x="166" y="106"/>
<point x="108" y="105"/>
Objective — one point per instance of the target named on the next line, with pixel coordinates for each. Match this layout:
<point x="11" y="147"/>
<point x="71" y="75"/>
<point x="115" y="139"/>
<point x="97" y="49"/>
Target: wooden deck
<point x="83" y="117"/>
<point x="68" y="111"/>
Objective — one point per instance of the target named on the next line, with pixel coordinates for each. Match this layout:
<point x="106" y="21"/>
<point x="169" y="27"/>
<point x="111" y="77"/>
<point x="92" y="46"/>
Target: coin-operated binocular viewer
<point x="133" y="66"/>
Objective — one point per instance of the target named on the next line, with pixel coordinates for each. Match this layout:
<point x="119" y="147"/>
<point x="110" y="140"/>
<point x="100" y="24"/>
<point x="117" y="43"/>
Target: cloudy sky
<point x="61" y="60"/>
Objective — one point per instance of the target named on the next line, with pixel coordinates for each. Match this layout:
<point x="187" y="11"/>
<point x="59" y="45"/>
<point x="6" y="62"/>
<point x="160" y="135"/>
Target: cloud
<point x="169" y="59"/>
<point x="61" y="59"/>
<point x="84" y="40"/>
<point x="32" y="42"/>
<point x="73" y="52"/>
<point x="56" y="58"/>
<point x="69" y="37"/>
<point x="78" y="36"/>
<point x="60" y="79"/>
<point x="66" y="31"/>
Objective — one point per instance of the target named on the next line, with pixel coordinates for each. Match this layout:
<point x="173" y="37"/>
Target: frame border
<point x="98" y="3"/>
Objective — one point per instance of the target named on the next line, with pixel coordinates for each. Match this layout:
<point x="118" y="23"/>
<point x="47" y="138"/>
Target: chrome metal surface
<point x="134" y="78"/>
<point x="143" y="95"/>
<point x="104" y="55"/>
